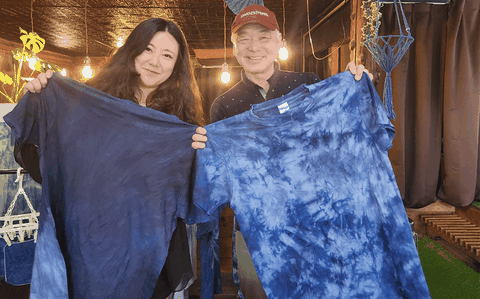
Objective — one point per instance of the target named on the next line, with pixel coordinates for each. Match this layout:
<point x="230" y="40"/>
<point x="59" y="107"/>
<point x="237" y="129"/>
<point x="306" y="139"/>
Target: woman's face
<point x="156" y="63"/>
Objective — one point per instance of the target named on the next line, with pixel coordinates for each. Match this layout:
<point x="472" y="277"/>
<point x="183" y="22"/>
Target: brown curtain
<point x="435" y="95"/>
<point x="460" y="171"/>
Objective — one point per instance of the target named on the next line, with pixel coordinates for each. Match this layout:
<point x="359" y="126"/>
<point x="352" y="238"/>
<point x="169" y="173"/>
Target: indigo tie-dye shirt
<point x="314" y="193"/>
<point x="115" y="177"/>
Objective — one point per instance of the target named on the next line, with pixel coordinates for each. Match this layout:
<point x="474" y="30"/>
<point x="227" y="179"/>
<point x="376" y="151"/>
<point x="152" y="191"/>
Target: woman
<point x="152" y="69"/>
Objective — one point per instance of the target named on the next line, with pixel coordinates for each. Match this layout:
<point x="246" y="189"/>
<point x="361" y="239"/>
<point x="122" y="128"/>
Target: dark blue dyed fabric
<point x="115" y="177"/>
<point x="17" y="261"/>
<point x="2" y="259"/>
<point x="314" y="193"/>
<point x="209" y="236"/>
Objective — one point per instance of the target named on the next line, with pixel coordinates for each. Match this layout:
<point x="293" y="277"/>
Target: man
<point x="256" y="40"/>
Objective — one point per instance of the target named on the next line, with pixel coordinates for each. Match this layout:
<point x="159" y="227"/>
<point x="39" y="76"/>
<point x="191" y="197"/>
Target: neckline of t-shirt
<point x="268" y="113"/>
<point x="125" y="105"/>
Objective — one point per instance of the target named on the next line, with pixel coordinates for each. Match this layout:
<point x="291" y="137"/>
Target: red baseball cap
<point x="255" y="14"/>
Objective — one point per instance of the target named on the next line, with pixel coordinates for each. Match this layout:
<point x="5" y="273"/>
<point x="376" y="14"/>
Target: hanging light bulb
<point x="32" y="61"/>
<point x="120" y="42"/>
<point x="64" y="72"/>
<point x="225" y="77"/>
<point x="87" y="72"/>
<point x="283" y="51"/>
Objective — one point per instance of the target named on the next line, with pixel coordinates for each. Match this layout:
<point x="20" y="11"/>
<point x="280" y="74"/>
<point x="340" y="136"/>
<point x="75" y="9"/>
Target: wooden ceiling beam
<point x="212" y="53"/>
<point x="52" y="57"/>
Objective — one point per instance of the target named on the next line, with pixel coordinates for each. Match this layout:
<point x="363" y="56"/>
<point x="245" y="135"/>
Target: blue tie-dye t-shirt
<point x="115" y="178"/>
<point x="314" y="193"/>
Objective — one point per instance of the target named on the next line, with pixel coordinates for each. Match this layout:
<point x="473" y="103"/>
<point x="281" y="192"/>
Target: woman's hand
<point x="199" y="138"/>
<point x="358" y="70"/>
<point x="36" y="85"/>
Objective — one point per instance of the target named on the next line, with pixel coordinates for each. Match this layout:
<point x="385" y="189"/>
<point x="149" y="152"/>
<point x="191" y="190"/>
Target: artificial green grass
<point x="447" y="277"/>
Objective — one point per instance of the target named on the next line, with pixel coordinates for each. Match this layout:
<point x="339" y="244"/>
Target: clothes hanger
<point x="18" y="227"/>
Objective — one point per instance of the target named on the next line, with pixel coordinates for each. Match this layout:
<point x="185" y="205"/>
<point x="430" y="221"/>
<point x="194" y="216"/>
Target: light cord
<point x="283" y="5"/>
<point x="31" y="13"/>
<point x="224" y="32"/>
<point x="86" y="28"/>
<point x="310" y="37"/>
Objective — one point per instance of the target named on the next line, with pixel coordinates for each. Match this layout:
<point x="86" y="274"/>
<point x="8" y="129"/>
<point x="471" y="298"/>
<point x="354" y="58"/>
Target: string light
<point x="32" y="61"/>
<point x="64" y="72"/>
<point x="283" y="51"/>
<point x="120" y="42"/>
<point x="87" y="71"/>
<point x="225" y="77"/>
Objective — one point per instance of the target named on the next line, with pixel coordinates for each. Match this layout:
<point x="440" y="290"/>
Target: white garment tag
<point x="282" y="108"/>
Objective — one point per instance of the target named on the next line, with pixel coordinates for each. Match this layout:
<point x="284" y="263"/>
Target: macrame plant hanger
<point x="387" y="50"/>
<point x="237" y="5"/>
<point x="18" y="227"/>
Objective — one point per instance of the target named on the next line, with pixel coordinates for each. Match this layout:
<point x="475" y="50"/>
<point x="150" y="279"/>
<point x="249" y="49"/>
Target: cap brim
<point x="268" y="25"/>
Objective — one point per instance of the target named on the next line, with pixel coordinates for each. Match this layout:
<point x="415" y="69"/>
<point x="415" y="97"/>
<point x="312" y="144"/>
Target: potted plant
<point x="32" y="45"/>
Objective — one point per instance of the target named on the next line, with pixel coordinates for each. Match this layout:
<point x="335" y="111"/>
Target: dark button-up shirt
<point x="245" y="93"/>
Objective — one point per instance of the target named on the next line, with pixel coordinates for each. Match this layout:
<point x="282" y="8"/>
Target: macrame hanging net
<point x="388" y="50"/>
<point x="237" y="5"/>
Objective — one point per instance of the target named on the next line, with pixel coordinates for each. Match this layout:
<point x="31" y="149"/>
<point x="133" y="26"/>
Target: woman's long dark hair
<point x="178" y="95"/>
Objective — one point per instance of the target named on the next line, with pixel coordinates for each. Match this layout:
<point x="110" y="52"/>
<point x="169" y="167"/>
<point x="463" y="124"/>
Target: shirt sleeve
<point x="212" y="184"/>
<point x="373" y="113"/>
<point x="23" y="120"/>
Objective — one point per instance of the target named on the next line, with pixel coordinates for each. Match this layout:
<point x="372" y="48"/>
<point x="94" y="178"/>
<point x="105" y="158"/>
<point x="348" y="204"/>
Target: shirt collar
<point x="271" y="81"/>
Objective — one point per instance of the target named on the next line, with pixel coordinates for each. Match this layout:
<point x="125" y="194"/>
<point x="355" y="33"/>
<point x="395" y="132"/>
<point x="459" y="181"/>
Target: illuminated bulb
<point x="63" y="72"/>
<point x="283" y="52"/>
<point x="225" y="77"/>
<point x="120" y="42"/>
<point x="31" y="62"/>
<point x="87" y="72"/>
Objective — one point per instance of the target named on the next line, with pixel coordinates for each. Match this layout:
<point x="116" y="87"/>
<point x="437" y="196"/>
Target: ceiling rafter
<point x="61" y="22"/>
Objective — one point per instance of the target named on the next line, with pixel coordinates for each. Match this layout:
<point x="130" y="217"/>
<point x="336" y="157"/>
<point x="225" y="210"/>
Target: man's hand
<point x="199" y="138"/>
<point x="358" y="70"/>
<point x="36" y="85"/>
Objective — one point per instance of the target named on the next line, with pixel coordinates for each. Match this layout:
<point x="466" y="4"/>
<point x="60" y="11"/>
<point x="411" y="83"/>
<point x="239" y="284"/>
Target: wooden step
<point x="459" y="232"/>
<point x="437" y="209"/>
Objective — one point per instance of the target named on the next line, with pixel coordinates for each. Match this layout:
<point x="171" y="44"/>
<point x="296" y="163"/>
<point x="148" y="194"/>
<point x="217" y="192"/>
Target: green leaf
<point x="6" y="79"/>
<point x="20" y="54"/>
<point x="32" y="41"/>
<point x="38" y="66"/>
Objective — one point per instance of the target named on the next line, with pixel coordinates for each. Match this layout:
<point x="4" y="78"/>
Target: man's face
<point x="256" y="48"/>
